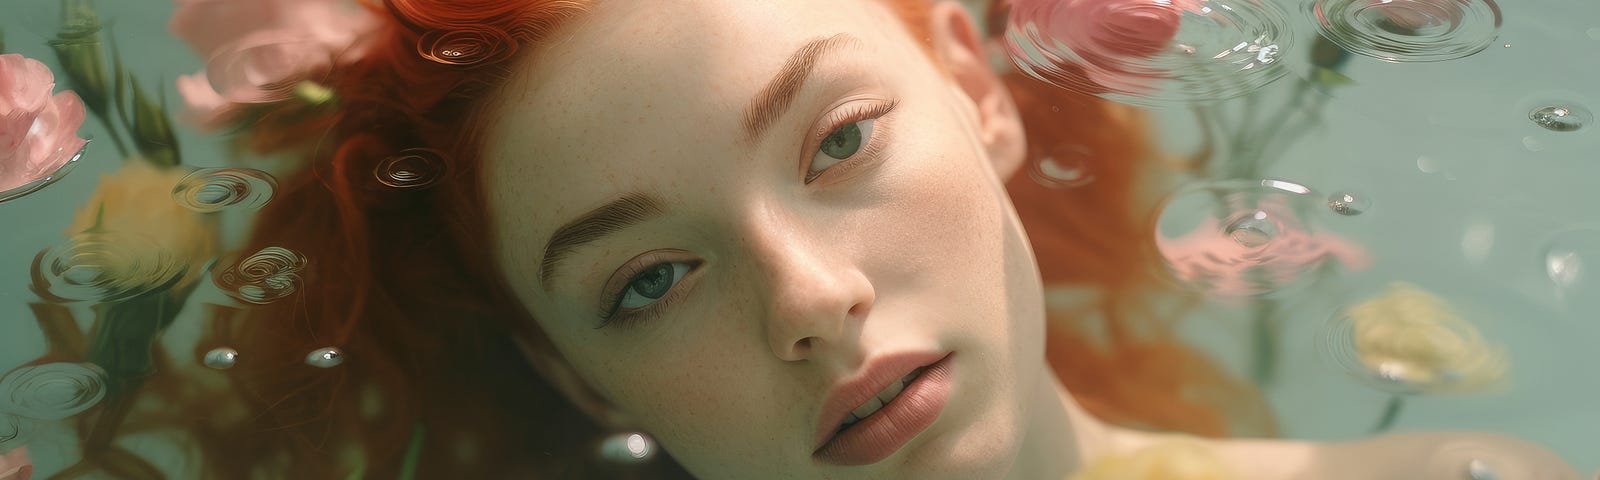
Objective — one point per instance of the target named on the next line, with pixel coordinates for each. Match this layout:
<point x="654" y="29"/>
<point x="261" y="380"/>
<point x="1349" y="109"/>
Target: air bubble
<point x="1409" y="30"/>
<point x="327" y="357"/>
<point x="1348" y="203"/>
<point x="1572" y="262"/>
<point x="222" y="358"/>
<point x="1561" y="118"/>
<point x="1151" y="52"/>
<point x="215" y="189"/>
<point x="627" y="448"/>
<point x="1068" y="169"/>
<point x="1252" y="230"/>
<point x="1480" y="470"/>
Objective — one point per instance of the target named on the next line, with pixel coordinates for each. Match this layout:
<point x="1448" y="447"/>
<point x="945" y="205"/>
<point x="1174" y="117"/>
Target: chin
<point x="980" y="439"/>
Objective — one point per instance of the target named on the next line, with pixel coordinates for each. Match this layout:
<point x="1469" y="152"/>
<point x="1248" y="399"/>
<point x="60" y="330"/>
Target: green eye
<point x="651" y="284"/>
<point x="847" y="140"/>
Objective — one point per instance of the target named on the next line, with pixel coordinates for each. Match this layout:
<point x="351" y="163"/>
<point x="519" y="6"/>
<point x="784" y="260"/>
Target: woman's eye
<point x="650" y="285"/>
<point x="842" y="143"/>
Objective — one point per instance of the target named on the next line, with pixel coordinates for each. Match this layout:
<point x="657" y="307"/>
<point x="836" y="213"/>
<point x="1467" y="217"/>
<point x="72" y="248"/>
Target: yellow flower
<point x="1410" y="336"/>
<point x="137" y="200"/>
<point x="1175" y="458"/>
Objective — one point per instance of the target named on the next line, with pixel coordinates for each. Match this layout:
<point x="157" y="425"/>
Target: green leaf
<point x="77" y="46"/>
<point x="152" y="130"/>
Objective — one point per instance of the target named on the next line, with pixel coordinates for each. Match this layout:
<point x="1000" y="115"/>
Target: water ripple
<point x="105" y="267"/>
<point x="1409" y="30"/>
<point x="214" y="189"/>
<point x="263" y="277"/>
<point x="1151" y="52"/>
<point x="411" y="168"/>
<point x="52" y="391"/>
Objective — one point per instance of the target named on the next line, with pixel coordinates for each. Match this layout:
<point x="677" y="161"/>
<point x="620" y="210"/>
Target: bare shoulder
<point x="1447" y="455"/>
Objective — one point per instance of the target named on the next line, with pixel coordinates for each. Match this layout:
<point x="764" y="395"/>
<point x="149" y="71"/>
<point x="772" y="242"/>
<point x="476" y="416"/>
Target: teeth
<point x="867" y="408"/>
<point x="877" y="402"/>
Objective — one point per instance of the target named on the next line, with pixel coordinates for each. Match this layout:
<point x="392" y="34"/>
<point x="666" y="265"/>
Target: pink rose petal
<point x="15" y="465"/>
<point x="38" y="131"/>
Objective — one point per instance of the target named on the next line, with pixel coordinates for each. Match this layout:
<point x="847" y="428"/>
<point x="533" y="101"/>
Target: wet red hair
<point x="401" y="279"/>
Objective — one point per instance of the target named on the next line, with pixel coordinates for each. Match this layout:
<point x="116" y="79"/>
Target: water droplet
<point x="1479" y="470"/>
<point x="1151" y="52"/>
<point x="1240" y="238"/>
<point x="1068" y="169"/>
<point x="214" y="189"/>
<point x="263" y="277"/>
<point x="1348" y="203"/>
<point x="105" y="267"/>
<point x="52" y="391"/>
<point x="1507" y="45"/>
<point x="411" y="168"/>
<point x="325" y="357"/>
<point x="34" y="184"/>
<point x="221" y="358"/>
<point x="1559" y="118"/>
<point x="1409" y="30"/>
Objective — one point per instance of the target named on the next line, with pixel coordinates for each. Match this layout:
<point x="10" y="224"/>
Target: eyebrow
<point x="634" y="208"/>
<point x="775" y="98"/>
<point x="625" y="211"/>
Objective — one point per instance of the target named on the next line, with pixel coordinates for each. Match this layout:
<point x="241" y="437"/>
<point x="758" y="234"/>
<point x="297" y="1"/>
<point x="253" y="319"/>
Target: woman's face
<point x="758" y="264"/>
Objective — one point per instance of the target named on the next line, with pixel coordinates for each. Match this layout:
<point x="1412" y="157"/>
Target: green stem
<point x="1391" y="412"/>
<point x="408" y="470"/>
<point x="1264" y="336"/>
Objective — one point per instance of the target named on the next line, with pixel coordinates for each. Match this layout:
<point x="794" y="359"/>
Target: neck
<point x="1061" y="436"/>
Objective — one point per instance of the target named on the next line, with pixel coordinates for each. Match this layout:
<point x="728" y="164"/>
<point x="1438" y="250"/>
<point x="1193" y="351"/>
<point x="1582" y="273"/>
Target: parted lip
<point x="850" y="392"/>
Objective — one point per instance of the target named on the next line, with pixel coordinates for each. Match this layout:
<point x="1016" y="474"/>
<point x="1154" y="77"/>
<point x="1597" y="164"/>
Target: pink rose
<point x="1254" y="261"/>
<point x="1102" y="42"/>
<point x="256" y="51"/>
<point x="15" y="465"/>
<point x="38" y="131"/>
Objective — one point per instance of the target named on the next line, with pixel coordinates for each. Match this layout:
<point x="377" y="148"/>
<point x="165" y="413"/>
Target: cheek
<point x="704" y="400"/>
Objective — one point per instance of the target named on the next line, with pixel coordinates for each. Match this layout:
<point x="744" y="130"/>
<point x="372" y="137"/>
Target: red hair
<point x="401" y="281"/>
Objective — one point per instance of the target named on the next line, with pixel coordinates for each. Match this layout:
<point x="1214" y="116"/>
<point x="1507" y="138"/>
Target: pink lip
<point x="883" y="433"/>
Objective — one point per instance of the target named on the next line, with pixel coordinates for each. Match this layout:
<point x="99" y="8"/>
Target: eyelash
<point x="874" y="145"/>
<point x="836" y="121"/>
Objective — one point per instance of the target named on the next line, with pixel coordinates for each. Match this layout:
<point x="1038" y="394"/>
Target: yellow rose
<point x="1175" y="458"/>
<point x="1410" y="336"/>
<point x="137" y="200"/>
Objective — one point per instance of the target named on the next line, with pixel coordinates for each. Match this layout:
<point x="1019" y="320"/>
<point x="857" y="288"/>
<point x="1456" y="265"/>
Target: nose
<point x="817" y="293"/>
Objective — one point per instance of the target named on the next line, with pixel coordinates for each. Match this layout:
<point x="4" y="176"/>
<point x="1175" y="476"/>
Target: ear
<point x="962" y="51"/>
<point x="559" y="373"/>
